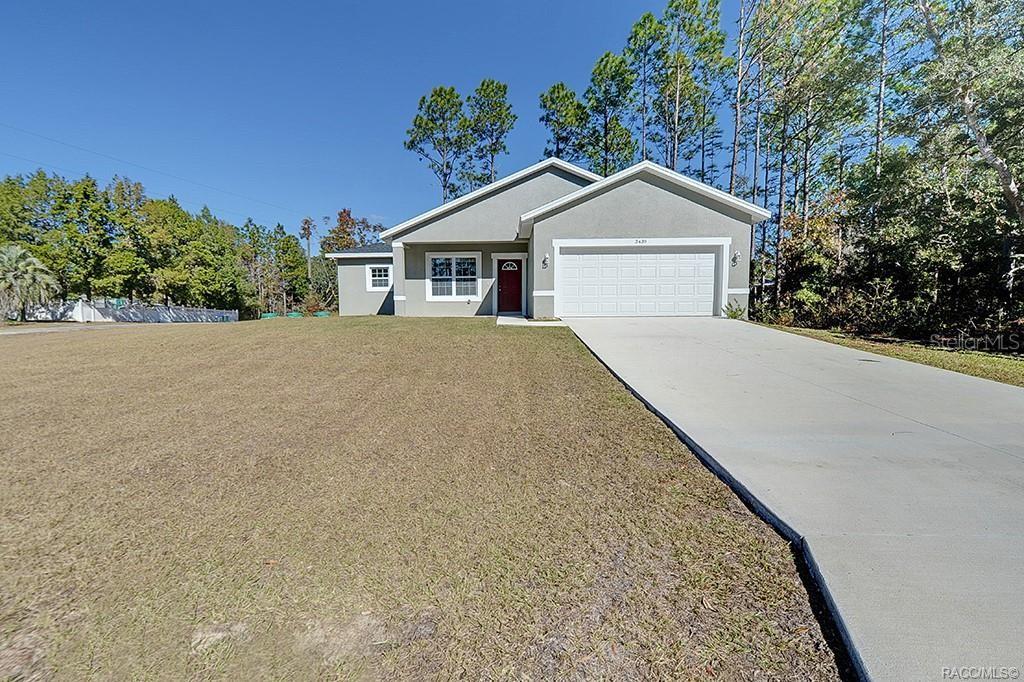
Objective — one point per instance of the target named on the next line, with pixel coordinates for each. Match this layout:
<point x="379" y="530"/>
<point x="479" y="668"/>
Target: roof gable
<point x="715" y="196"/>
<point x="486" y="191"/>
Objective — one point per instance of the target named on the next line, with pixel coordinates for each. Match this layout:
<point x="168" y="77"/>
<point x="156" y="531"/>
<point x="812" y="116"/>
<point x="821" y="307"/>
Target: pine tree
<point x="440" y="135"/>
<point x="610" y="146"/>
<point x="645" y="53"/>
<point x="565" y="118"/>
<point x="490" y="120"/>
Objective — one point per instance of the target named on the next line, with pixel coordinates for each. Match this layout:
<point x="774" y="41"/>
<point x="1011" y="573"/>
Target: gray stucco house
<point x="555" y="240"/>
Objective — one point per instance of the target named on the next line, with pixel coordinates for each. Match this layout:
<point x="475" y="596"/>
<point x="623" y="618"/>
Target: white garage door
<point x="639" y="282"/>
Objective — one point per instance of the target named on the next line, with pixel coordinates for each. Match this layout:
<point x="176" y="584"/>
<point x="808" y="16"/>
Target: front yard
<point x="369" y="498"/>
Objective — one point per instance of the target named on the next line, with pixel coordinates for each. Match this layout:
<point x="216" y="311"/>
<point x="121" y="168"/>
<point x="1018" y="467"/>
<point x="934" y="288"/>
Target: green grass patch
<point x="1002" y="368"/>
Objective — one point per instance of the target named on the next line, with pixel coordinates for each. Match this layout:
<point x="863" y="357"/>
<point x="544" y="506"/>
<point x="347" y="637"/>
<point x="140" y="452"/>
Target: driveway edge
<point x="788" y="533"/>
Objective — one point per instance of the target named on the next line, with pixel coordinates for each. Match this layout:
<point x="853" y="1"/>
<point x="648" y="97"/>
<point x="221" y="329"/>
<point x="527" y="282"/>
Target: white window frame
<point x="453" y="255"/>
<point x="369" y="276"/>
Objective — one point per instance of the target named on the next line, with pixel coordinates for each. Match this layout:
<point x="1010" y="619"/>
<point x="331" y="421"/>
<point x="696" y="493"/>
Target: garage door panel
<point x="636" y="283"/>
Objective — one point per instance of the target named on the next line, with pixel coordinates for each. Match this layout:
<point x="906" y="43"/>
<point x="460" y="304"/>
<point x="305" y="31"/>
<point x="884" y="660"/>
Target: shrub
<point x="312" y="303"/>
<point x="781" y="316"/>
<point x="875" y="309"/>
<point x="734" y="311"/>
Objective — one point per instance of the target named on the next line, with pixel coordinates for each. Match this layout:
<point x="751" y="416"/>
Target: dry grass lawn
<point x="1003" y="368"/>
<point x="377" y="497"/>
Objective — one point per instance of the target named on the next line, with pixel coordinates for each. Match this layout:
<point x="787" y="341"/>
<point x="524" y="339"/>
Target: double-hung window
<point x="378" y="277"/>
<point x="453" y="276"/>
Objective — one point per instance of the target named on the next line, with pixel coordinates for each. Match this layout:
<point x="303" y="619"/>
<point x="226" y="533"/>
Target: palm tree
<point x="24" y="280"/>
<point x="306" y="232"/>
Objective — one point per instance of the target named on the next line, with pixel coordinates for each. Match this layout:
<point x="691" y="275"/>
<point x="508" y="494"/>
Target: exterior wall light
<point x="544" y="261"/>
<point x="736" y="258"/>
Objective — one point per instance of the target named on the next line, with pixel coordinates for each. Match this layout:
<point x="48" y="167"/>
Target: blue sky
<point x="278" y="110"/>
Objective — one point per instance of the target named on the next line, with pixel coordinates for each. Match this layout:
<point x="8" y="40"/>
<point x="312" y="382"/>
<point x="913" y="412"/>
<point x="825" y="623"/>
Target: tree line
<point x="884" y="136"/>
<point x="113" y="241"/>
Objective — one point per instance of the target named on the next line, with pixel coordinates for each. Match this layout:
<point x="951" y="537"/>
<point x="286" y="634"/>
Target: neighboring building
<point x="555" y="240"/>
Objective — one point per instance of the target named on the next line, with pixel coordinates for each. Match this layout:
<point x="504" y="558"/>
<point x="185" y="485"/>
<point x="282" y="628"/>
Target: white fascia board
<point x="755" y="212"/>
<point x="552" y="162"/>
<point x="372" y="254"/>
<point x="641" y="242"/>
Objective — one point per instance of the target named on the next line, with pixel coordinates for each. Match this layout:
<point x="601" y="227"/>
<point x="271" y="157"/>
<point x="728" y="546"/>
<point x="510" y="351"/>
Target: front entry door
<point x="510" y="286"/>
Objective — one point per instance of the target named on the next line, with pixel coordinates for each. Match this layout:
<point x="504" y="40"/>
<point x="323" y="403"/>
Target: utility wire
<point x="150" y="196"/>
<point x="147" y="168"/>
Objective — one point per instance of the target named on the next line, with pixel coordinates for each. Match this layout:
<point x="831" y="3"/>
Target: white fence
<point x="116" y="310"/>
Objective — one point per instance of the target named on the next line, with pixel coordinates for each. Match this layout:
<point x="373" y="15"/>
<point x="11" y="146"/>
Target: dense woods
<point x="887" y="137"/>
<point x="114" y="241"/>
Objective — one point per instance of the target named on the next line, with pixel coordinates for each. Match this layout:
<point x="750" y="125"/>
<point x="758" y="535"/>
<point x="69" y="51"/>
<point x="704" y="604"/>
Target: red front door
<point x="510" y="286"/>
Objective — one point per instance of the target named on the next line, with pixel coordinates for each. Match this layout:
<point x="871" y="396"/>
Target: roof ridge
<point x="755" y="212"/>
<point x="551" y="161"/>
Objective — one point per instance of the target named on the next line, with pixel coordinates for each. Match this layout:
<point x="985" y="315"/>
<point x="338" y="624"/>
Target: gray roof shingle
<point x="377" y="247"/>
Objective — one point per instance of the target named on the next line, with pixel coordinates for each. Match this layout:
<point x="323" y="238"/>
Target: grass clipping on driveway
<point x="378" y="498"/>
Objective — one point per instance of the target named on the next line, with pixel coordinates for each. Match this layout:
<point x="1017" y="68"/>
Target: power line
<point x="77" y="172"/>
<point x="40" y="163"/>
<point x="147" y="168"/>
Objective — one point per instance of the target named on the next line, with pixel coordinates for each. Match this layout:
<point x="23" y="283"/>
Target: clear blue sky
<point x="285" y="108"/>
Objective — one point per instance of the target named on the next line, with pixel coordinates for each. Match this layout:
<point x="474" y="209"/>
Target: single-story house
<point x="555" y="240"/>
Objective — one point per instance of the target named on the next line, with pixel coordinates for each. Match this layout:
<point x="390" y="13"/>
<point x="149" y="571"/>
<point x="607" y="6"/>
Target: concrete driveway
<point x="905" y="482"/>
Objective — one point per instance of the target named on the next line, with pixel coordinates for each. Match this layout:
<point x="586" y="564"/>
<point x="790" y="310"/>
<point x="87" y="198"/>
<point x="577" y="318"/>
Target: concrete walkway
<point x="520" y="321"/>
<point x="905" y="482"/>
